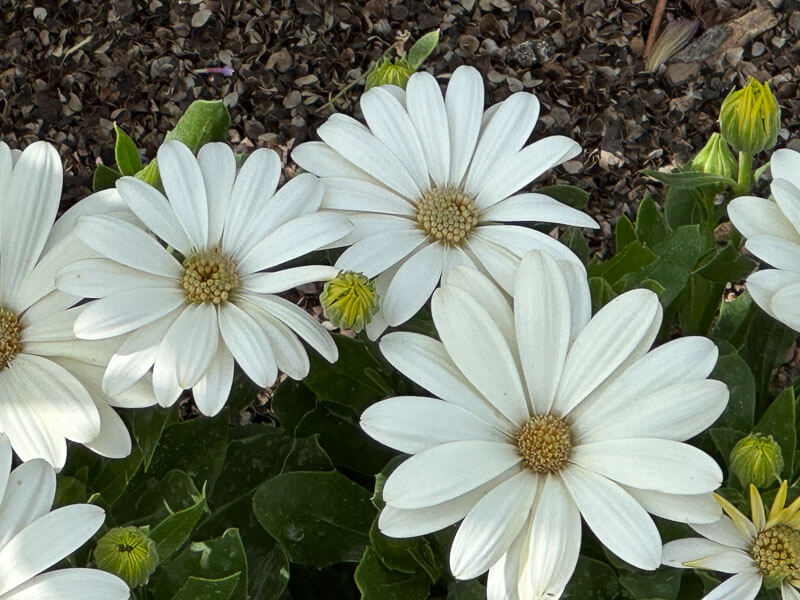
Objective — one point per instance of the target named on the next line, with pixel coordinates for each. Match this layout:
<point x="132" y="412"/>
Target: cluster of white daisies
<point x="540" y="415"/>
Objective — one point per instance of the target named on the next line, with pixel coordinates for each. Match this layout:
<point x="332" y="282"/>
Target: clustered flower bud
<point x="750" y="118"/>
<point x="716" y="158"/>
<point x="349" y="300"/>
<point x="129" y="553"/>
<point x="756" y="459"/>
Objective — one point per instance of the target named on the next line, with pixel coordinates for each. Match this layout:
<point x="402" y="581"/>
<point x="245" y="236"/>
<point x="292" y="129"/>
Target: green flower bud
<point x="716" y="158"/>
<point x="129" y="553"/>
<point x="756" y="459"/>
<point x="390" y="72"/>
<point x="349" y="300"/>
<point x="750" y="118"/>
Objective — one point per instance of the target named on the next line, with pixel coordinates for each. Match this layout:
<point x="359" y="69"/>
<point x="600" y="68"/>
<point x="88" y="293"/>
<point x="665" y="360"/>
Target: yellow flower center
<point x="209" y="276"/>
<point x="447" y="214"/>
<point x="776" y="552"/>
<point x="9" y="337"/>
<point x="544" y="443"/>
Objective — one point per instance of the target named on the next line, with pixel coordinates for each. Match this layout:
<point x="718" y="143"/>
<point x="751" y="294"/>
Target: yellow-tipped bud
<point x="756" y="459"/>
<point x="750" y="118"/>
<point x="129" y="553"/>
<point x="716" y="158"/>
<point x="349" y="300"/>
<point x="389" y="72"/>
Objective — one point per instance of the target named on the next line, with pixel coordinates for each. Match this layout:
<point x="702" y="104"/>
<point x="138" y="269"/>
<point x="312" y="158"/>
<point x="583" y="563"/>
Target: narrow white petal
<point x="218" y="165"/>
<point x="183" y="183"/>
<point x="257" y="180"/>
<point x="101" y="277"/>
<point x="390" y="123"/>
<point x="323" y="161"/>
<point x="426" y="362"/>
<point x="488" y="365"/>
<point x="127" y="244"/>
<point x="515" y="172"/>
<point x="366" y="225"/>
<point x="113" y="441"/>
<point x="345" y="193"/>
<point x="455" y="257"/>
<point x="784" y="306"/>
<point x="700" y="553"/>
<point x="538" y="208"/>
<point x="520" y="240"/>
<point x="6" y="164"/>
<point x="412" y="424"/>
<point x="492" y="525"/>
<point x="286" y="279"/>
<point x="497" y="261"/>
<point x="104" y="202"/>
<point x="504" y="576"/>
<point x="247" y="343"/>
<point x="413" y="284"/>
<point x="724" y="531"/>
<point x="191" y="342"/>
<point x="165" y="378"/>
<point x="126" y="311"/>
<point x="742" y="586"/>
<point x="754" y="216"/>
<point x="378" y="324"/>
<point x="348" y="137"/>
<point x="695" y="508"/>
<point x="378" y="252"/>
<point x="464" y="105"/>
<point x="488" y="295"/>
<point x="46" y="541"/>
<point x="65" y="584"/>
<point x="427" y="110"/>
<point x="651" y="464"/>
<point x="211" y="392"/>
<point x="619" y="521"/>
<point x="543" y="319"/>
<point x="290" y="355"/>
<point x="618" y="328"/>
<point x="438" y="474"/>
<point x="29" y="495"/>
<point x="785" y="164"/>
<point x="789" y="592"/>
<point x="777" y="252"/>
<point x="787" y="197"/>
<point x="763" y="285"/>
<point x="155" y="211"/>
<point x="5" y="445"/>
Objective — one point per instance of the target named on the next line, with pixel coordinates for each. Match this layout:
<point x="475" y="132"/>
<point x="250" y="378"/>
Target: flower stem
<point x="745" y="183"/>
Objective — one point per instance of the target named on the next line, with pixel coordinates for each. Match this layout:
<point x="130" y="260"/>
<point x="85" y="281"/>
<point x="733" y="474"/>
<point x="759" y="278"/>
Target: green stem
<point x="745" y="183"/>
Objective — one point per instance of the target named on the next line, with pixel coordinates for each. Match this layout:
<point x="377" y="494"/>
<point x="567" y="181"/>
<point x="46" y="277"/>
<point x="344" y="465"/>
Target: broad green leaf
<point x="115" y="476"/>
<point x="147" y="426"/>
<point x="688" y="179"/>
<point x="764" y="349"/>
<point x="624" y="232"/>
<point x="688" y="207"/>
<point x="104" y="178"/>
<point x="408" y="556"/>
<point x="568" y="194"/>
<point x="601" y="293"/>
<point x="466" y="590"/>
<point x="196" y="588"/>
<point x="291" y="402"/>
<point x="699" y="305"/>
<point x="152" y="500"/>
<point x="573" y="239"/>
<point x="734" y="317"/>
<point x="734" y="372"/>
<point x="318" y="518"/>
<point x="779" y="422"/>
<point x="592" y="580"/>
<point x="376" y="582"/>
<point x="633" y="258"/>
<point x="727" y="264"/>
<point x="644" y="585"/>
<point x="422" y="49"/>
<point x="650" y="226"/>
<point x="125" y="153"/>
<point x="725" y="439"/>
<point x="171" y="533"/>
<point x="677" y="256"/>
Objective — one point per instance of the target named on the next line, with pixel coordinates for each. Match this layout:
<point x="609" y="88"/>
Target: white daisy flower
<point x="430" y="183"/>
<point x="764" y="552"/>
<point x="50" y="381"/>
<point x="772" y="229"/>
<point x="34" y="538"/>
<point x="543" y="415"/>
<point x="190" y="317"/>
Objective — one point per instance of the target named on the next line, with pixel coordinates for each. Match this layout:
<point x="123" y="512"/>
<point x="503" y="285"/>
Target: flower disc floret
<point x="544" y="443"/>
<point x="210" y="277"/>
<point x="776" y="552"/>
<point x="9" y="337"/>
<point x="447" y="214"/>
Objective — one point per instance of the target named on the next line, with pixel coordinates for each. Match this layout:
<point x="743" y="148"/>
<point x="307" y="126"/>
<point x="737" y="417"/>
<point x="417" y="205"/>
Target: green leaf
<point x="291" y="402"/>
<point x="568" y="194"/>
<point x="650" y="226"/>
<point x="172" y="532"/>
<point x="408" y="556"/>
<point x="779" y="422"/>
<point x="688" y="207"/>
<point x="115" y="476"/>
<point x="699" y="305"/>
<point x="734" y="372"/>
<point x="633" y="258"/>
<point x="104" y="178"/>
<point x="466" y="590"/>
<point x="592" y="580"/>
<point x="624" y="233"/>
<point x="573" y="239"/>
<point x="725" y="439"/>
<point x="663" y="583"/>
<point x="147" y="426"/>
<point x="688" y="179"/>
<point x="318" y="518"/>
<point x="601" y="293"/>
<point x="125" y="153"/>
<point x="734" y="317"/>
<point x="677" y="256"/>
<point x="376" y="582"/>
<point x="422" y="49"/>
<point x="196" y="588"/>
<point x="153" y="500"/>
<point x="727" y="265"/>
<point x="764" y="349"/>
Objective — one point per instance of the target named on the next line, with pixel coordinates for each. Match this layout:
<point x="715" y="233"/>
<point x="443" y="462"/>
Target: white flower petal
<point x="723" y="531"/>
<point x="378" y="324"/>
<point x="378" y="252"/>
<point x="345" y="193"/>
<point x="497" y="261"/>
<point x="104" y="202"/>
<point x="455" y="257"/>
<point x="6" y="164"/>
<point x="183" y="183"/>
<point x="46" y="541"/>
<point x="488" y="365"/>
<point x="247" y="343"/>
<point x="191" y="342"/>
<point x="785" y="164"/>
<point x="29" y="496"/>
<point x="492" y="525"/>
<point x="438" y="474"/>
<point x="113" y="441"/>
<point x="323" y="161"/>
<point x="784" y="306"/>
<point x="539" y="208"/>
<point x="412" y="424"/>
<point x="464" y="105"/>
<point x="426" y="108"/>
<point x="618" y="328"/>
<point x="763" y="285"/>
<point x="742" y="586"/>
<point x="787" y="197"/>
<point x="413" y="284"/>
<point x="100" y="277"/>
<point x="155" y="211"/>
<point x="517" y="171"/>
<point x="543" y="319"/>
<point x="127" y="244"/>
<point x="789" y="592"/>
<point x="165" y="378"/>
<point x="705" y="554"/>
<point x="218" y="165"/>
<point x="695" y="508"/>
<point x="488" y="295"/>
<point x="211" y="392"/>
<point x="290" y="355"/>
<point x="66" y="584"/>
<point x="425" y="362"/>
<point x="257" y="180"/>
<point x="778" y="252"/>
<point x="754" y="216"/>
<point x="5" y="445"/>
<point x="366" y="225"/>
<point x="520" y="240"/>
<point x="504" y="576"/>
<point x="618" y="521"/>
<point x="286" y="279"/>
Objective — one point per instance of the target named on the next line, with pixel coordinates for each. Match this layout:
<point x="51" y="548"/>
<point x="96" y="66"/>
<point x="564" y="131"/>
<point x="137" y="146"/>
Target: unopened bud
<point x="349" y="300"/>
<point x="716" y="158"/>
<point x="129" y="553"/>
<point x="756" y="459"/>
<point x="750" y="118"/>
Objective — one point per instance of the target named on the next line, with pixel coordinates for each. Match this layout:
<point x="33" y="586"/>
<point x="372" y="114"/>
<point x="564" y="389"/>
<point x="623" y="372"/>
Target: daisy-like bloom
<point x="543" y="415"/>
<point x="430" y="184"/>
<point x="772" y="229"/>
<point x="49" y="380"/>
<point x="202" y="297"/>
<point x="764" y="551"/>
<point x="34" y="538"/>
